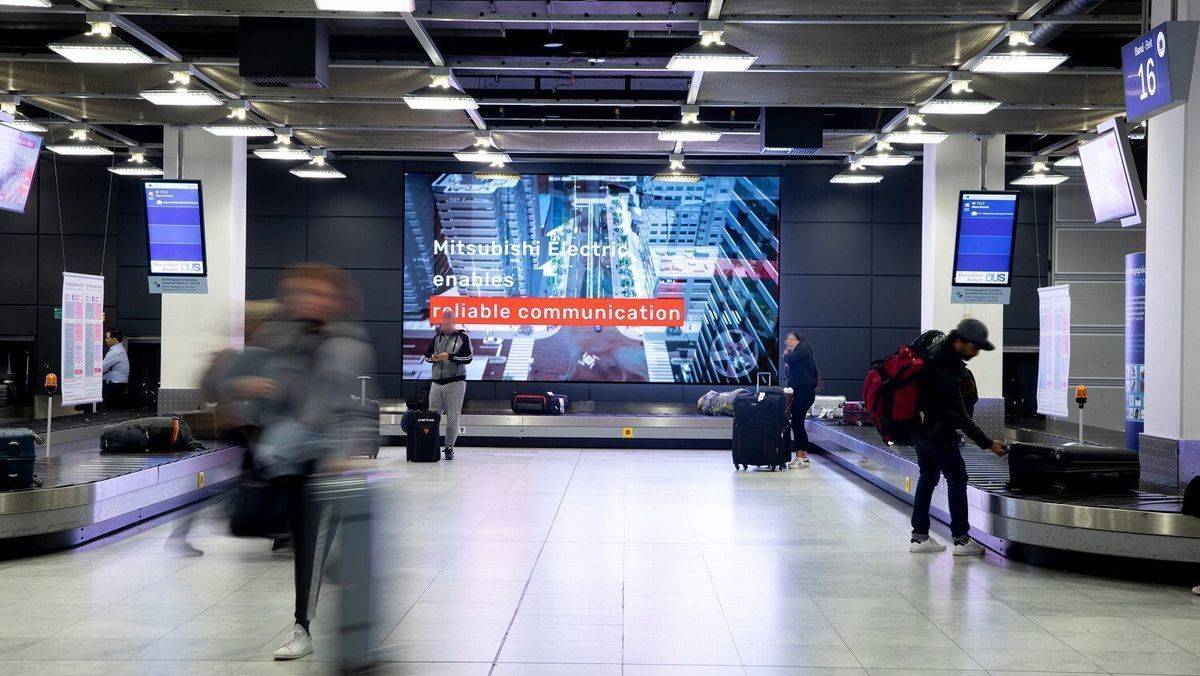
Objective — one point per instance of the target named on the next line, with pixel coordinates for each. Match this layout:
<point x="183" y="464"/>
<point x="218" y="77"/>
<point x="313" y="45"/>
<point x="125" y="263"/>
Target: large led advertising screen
<point x="586" y="278"/>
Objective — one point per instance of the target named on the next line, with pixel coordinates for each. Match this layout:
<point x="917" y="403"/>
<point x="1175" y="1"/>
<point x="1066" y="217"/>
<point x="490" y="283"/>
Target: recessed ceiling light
<point x="552" y="45"/>
<point x="856" y="174"/>
<point x="917" y="131"/>
<point x="1071" y="160"/>
<point x="440" y="94"/>
<point x="711" y="54"/>
<point x="1019" y="59"/>
<point x="22" y="123"/>
<point x="78" y="144"/>
<point x="968" y="102"/>
<point x="676" y="172"/>
<point x="317" y="167"/>
<point x="237" y="123"/>
<point x="136" y="165"/>
<point x="883" y="156"/>
<point x="690" y="129"/>
<point x="180" y="91"/>
<point x="99" y="45"/>
<point x="282" y="149"/>
<point x="366" y="5"/>
<point x="1039" y="174"/>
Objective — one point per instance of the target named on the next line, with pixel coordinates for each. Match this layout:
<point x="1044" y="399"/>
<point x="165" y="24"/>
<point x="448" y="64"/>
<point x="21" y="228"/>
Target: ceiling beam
<point x="436" y="58"/>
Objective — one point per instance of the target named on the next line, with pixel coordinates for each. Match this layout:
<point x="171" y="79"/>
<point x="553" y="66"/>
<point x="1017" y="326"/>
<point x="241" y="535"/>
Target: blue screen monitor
<point x="175" y="227"/>
<point x="983" y="248"/>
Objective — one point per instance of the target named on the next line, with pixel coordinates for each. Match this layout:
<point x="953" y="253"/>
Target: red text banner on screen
<point x="560" y="311"/>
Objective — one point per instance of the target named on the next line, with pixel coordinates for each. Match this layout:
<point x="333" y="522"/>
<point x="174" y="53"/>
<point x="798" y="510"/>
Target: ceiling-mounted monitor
<point x="1111" y="176"/>
<point x="175" y="228"/>
<point x="18" y="162"/>
<point x="983" y="247"/>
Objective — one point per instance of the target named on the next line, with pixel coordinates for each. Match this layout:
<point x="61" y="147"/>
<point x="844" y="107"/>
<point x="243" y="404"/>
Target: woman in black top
<point x="800" y="373"/>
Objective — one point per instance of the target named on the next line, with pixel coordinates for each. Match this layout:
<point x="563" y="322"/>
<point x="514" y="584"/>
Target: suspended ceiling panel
<point x="861" y="45"/>
<point x="75" y="78"/>
<point x="751" y="144"/>
<point x="1051" y="88"/>
<point x="778" y="89"/>
<point x="126" y="111"/>
<point x="470" y="7"/>
<point x="879" y="7"/>
<point x="396" y="141"/>
<point x="382" y="83"/>
<point x="598" y="143"/>
<point x="358" y="114"/>
<point x="1027" y="121"/>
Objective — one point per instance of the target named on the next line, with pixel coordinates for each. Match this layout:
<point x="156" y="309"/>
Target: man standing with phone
<point x="947" y="404"/>
<point x="449" y="352"/>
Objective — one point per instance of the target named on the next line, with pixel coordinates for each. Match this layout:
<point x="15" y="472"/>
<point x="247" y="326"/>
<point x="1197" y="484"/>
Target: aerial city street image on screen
<point x="595" y="278"/>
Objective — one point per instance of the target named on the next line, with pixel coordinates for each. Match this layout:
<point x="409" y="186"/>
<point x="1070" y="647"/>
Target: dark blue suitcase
<point x="760" y="429"/>
<point x="18" y="450"/>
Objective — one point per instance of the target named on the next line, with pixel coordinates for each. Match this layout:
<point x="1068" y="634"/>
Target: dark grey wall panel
<point x="895" y="301"/>
<point x="18" y="320"/>
<point x="647" y="392"/>
<point x="275" y="241"/>
<point x="896" y="248"/>
<point x="260" y="283"/>
<point x="382" y="292"/>
<point x="1031" y="253"/>
<point x="18" y="278"/>
<point x="897" y="199"/>
<point x="272" y="191"/>
<point x="1022" y="312"/>
<point x="825" y="248"/>
<point x="356" y="242"/>
<point x="849" y="388"/>
<point x="807" y="195"/>
<point x="84" y="191"/>
<point x="840" y="353"/>
<point x="131" y="240"/>
<point x="828" y="300"/>
<point x="371" y="188"/>
<point x="887" y="341"/>
<point x="134" y="298"/>
<point x="385" y="337"/>
<point x="84" y="255"/>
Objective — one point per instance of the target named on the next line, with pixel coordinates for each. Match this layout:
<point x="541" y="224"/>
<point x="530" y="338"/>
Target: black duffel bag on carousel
<point x="160" y="434"/>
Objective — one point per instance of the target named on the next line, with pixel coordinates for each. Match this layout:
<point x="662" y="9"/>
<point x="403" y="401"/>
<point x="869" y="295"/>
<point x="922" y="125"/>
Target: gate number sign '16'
<point x="1157" y="68"/>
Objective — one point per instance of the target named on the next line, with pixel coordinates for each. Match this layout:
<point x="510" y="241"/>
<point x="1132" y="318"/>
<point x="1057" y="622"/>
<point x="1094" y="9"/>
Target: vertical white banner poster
<point x="1054" y="353"/>
<point x="82" y="338"/>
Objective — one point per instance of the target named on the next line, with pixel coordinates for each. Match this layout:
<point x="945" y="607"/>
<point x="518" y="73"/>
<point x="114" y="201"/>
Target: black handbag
<point x="259" y="509"/>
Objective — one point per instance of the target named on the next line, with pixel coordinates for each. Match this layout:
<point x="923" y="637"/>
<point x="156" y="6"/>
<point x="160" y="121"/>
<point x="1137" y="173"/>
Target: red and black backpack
<point x="892" y="388"/>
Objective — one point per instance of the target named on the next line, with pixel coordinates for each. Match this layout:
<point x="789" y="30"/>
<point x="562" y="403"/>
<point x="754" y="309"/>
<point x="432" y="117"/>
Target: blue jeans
<point x="937" y="457"/>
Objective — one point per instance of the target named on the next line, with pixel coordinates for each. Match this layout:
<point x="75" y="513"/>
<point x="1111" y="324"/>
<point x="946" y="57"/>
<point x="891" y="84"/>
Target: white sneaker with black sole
<point x="1196" y="589"/>
<point x="298" y="645"/>
<point x="926" y="546"/>
<point x="969" y="548"/>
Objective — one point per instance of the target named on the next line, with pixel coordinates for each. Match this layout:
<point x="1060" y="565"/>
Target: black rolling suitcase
<point x="18" y="449"/>
<point x="760" y="429"/>
<point x="1075" y="470"/>
<point x="423" y="430"/>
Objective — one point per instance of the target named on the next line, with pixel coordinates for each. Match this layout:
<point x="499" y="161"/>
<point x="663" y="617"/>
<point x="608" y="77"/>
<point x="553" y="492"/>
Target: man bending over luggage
<point x="946" y="403"/>
<point x="449" y="352"/>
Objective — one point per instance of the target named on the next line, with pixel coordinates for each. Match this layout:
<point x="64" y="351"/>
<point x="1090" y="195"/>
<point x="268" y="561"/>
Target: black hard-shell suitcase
<point x="539" y="402"/>
<point x="423" y="430"/>
<point x="760" y="429"/>
<point x="1077" y="470"/>
<point x="18" y="449"/>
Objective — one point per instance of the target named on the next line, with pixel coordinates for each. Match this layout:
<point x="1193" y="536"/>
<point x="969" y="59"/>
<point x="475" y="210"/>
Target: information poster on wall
<point x="1054" y="354"/>
<point x="1135" y="348"/>
<point x="82" y="338"/>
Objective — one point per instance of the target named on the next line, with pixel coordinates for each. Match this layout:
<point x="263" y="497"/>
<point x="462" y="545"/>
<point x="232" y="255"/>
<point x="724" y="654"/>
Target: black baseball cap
<point x="974" y="331"/>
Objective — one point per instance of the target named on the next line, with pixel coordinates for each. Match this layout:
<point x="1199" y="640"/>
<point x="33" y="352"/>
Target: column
<point x="961" y="162"/>
<point x="196" y="326"/>
<point x="1170" y="444"/>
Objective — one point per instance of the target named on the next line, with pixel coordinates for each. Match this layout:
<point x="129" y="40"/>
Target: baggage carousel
<point x="1139" y="525"/>
<point x="85" y="495"/>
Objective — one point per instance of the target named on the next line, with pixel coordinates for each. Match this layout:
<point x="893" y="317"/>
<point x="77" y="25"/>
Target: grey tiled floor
<point x="598" y="563"/>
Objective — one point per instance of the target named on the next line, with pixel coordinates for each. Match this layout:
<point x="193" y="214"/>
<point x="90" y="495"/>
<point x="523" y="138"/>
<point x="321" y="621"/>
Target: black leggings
<point x="313" y="528"/>
<point x="800" y="405"/>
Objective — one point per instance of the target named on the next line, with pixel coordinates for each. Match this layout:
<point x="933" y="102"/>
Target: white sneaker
<point x="299" y="645"/>
<point x="799" y="463"/>
<point x="928" y="546"/>
<point x="1196" y="589"/>
<point x="969" y="548"/>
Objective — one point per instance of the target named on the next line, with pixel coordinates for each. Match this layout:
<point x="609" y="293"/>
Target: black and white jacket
<point x="458" y="346"/>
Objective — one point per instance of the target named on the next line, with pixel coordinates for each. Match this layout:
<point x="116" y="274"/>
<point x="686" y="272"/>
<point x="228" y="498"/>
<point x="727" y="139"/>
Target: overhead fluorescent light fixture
<point x="136" y="165"/>
<point x="1071" y="160"/>
<point x="237" y="123"/>
<point x="676" y="172"/>
<point x="366" y="5"/>
<point x="965" y="102"/>
<point x="711" y="54"/>
<point x="317" y="167"/>
<point x="883" y="156"/>
<point x="11" y="118"/>
<point x="690" y="129"/>
<point x="24" y="3"/>
<point x="917" y="132"/>
<point x="22" y="123"/>
<point x="99" y="45"/>
<point x="1019" y="59"/>
<point x="79" y="145"/>
<point x="856" y="174"/>
<point x="440" y="94"/>
<point x="1039" y="174"/>
<point x="498" y="175"/>
<point x="283" y="148"/>
<point x="483" y="150"/>
<point x="181" y="92"/>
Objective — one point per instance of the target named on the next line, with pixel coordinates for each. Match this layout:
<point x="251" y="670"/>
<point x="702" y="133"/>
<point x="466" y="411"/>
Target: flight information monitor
<point x="983" y="249"/>
<point x="18" y="161"/>
<point x="175" y="228"/>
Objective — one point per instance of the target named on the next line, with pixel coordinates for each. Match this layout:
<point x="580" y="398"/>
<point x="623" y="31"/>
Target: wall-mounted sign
<point x="82" y="352"/>
<point x="1054" y="350"/>
<point x="1158" y="69"/>
<point x="1135" y="348"/>
<point x="160" y="285"/>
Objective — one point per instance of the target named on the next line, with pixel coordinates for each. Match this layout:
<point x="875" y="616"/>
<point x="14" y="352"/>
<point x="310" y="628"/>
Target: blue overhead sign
<point x="1158" y="69"/>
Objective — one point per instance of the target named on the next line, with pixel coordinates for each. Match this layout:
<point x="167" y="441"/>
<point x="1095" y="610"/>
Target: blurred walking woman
<point x="800" y="373"/>
<point x="304" y="386"/>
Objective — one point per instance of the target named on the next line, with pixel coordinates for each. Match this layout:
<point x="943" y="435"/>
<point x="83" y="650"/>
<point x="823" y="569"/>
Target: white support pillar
<point x="959" y="163"/>
<point x="1171" y="439"/>
<point x="196" y="326"/>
